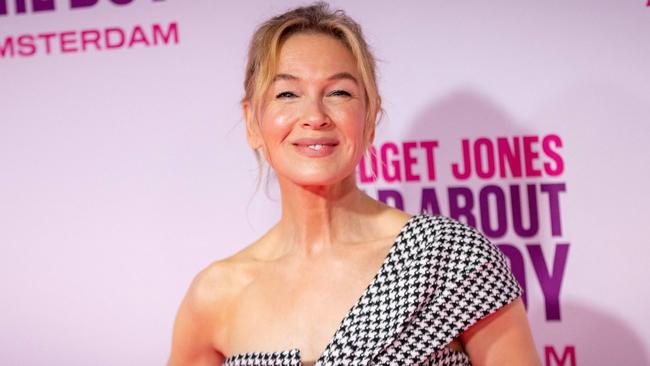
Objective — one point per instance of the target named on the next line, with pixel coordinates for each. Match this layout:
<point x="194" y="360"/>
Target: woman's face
<point x="311" y="122"/>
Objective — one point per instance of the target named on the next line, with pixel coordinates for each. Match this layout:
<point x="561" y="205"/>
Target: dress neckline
<point x="294" y="353"/>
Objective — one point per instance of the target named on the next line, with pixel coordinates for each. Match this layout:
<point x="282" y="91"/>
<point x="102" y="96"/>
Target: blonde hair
<point x="264" y="49"/>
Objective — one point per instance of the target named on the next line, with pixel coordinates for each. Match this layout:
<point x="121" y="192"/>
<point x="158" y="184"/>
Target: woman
<point x="342" y="279"/>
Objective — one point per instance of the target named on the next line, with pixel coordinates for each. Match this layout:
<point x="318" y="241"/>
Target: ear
<point x="371" y="139"/>
<point x="370" y="136"/>
<point x="252" y="129"/>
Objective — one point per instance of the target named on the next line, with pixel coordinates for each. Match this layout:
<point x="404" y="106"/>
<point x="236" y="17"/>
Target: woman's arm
<point x="502" y="338"/>
<point x="193" y="327"/>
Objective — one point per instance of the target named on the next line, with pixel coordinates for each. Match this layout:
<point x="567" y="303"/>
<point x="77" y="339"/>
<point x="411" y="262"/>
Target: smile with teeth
<point x="315" y="150"/>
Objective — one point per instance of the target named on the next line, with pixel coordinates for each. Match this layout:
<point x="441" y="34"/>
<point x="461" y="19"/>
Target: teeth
<point x="315" y="147"/>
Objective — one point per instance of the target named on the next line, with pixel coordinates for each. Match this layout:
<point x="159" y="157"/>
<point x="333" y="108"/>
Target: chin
<point x="318" y="178"/>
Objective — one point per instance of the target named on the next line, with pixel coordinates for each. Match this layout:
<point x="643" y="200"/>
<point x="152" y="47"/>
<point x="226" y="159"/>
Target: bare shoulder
<point x="199" y="322"/>
<point x="220" y="278"/>
<point x="216" y="287"/>
<point x="393" y="219"/>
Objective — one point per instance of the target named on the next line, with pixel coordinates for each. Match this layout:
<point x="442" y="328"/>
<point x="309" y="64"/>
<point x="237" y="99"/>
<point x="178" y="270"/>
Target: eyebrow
<point x="337" y="76"/>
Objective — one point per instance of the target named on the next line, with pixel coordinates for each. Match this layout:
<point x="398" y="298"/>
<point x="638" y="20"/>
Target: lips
<point x="316" y="141"/>
<point x="315" y="147"/>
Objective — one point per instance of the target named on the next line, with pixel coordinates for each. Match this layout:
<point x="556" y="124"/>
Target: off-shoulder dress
<point x="439" y="277"/>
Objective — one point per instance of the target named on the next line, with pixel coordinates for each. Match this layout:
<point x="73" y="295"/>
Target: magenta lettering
<point x="530" y="155"/>
<point x="46" y="37"/>
<point x="26" y="45"/>
<point x="517" y="215"/>
<point x="501" y="222"/>
<point x="21" y="6"/>
<point x="115" y="42"/>
<point x="7" y="47"/>
<point x="138" y="36"/>
<point x="67" y="41"/>
<point x="88" y="3"/>
<point x="509" y="157"/>
<point x="91" y="36"/>
<point x="517" y="266"/>
<point x="568" y="356"/>
<point x="458" y="209"/>
<point x="172" y="32"/>
<point x="551" y="282"/>
<point x="430" y="202"/>
<point x="493" y="199"/>
<point x="82" y="3"/>
<point x="549" y="144"/>
<point x="428" y="147"/>
<point x="396" y="173"/>
<point x="42" y="5"/>
<point x="466" y="171"/>
<point x="410" y="160"/>
<point x="483" y="156"/>
<point x="75" y="41"/>
<point x="553" y="190"/>
<point x="490" y="204"/>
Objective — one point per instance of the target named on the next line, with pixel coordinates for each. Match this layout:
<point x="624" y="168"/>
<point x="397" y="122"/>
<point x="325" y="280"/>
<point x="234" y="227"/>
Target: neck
<point x="315" y="218"/>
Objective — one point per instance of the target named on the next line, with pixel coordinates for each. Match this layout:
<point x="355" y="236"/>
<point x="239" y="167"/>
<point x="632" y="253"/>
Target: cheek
<point x="276" y="124"/>
<point x="354" y="125"/>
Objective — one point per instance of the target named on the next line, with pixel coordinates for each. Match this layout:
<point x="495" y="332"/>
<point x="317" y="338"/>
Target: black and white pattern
<point x="439" y="277"/>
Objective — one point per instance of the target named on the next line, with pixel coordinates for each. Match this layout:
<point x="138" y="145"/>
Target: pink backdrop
<point x="124" y="168"/>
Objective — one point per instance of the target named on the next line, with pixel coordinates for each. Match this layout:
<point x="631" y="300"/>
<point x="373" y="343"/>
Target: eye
<point x="340" y="93"/>
<point x="286" y="94"/>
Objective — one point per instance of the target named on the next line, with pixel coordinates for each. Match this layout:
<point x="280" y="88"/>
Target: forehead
<point x="314" y="55"/>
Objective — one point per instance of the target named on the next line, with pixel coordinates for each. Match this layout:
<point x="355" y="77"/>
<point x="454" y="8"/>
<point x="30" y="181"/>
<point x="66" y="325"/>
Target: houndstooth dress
<point x="439" y="277"/>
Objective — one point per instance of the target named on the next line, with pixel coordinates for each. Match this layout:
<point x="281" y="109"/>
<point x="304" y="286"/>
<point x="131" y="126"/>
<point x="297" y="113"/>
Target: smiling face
<point x="312" y="118"/>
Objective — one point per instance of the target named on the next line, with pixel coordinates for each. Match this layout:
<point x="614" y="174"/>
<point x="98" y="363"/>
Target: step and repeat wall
<point x="124" y="168"/>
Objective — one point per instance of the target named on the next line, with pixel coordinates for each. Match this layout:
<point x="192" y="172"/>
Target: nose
<point x="314" y="115"/>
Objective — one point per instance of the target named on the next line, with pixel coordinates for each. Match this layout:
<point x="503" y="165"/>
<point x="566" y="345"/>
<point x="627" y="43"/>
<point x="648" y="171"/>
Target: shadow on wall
<point x="599" y="338"/>
<point x="466" y="114"/>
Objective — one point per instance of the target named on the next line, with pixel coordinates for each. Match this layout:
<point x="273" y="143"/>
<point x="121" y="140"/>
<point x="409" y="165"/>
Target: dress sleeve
<point x="467" y="278"/>
<point x="472" y="281"/>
